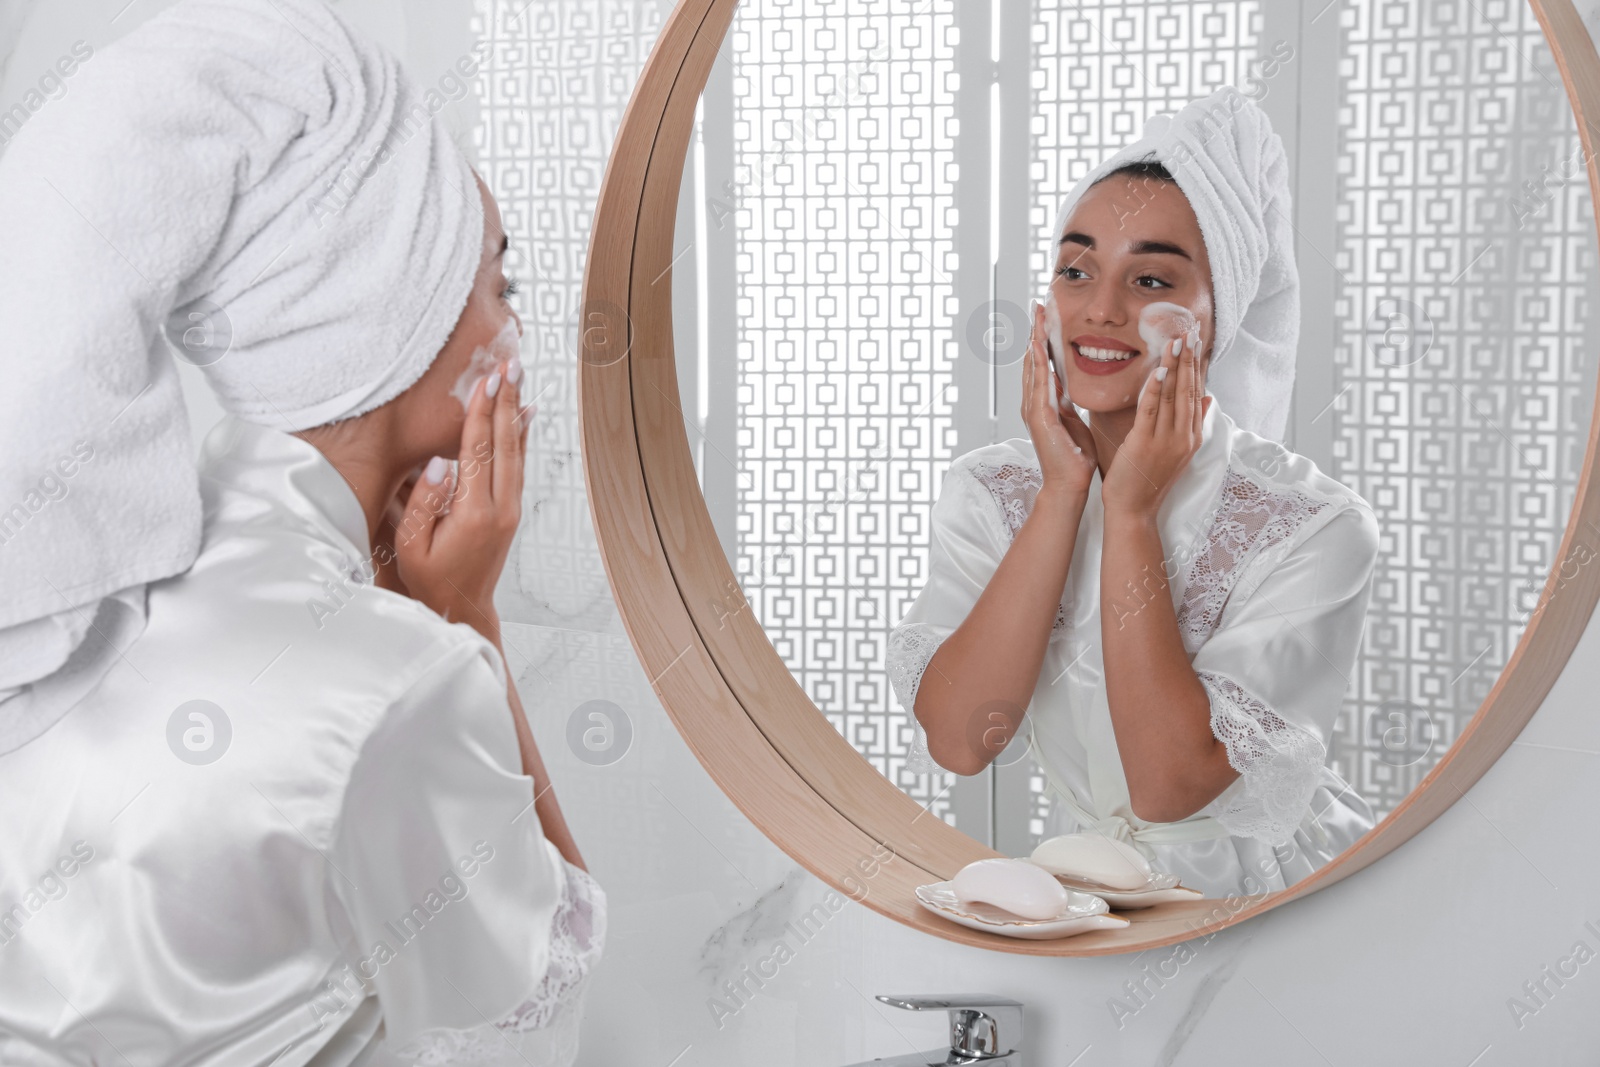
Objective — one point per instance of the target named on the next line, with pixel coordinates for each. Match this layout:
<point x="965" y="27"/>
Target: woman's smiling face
<point x="1131" y="241"/>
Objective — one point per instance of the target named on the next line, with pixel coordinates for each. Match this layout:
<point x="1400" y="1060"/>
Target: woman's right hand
<point x="1061" y="438"/>
<point x="454" y="538"/>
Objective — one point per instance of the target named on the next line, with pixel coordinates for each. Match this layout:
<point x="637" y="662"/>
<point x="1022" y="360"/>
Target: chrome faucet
<point x="983" y="1029"/>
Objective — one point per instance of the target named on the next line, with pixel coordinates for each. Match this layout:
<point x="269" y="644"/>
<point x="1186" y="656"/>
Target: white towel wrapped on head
<point x="1231" y="166"/>
<point x="262" y="183"/>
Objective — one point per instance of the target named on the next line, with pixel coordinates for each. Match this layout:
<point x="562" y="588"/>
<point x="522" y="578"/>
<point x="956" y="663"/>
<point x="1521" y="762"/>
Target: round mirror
<point x="806" y="324"/>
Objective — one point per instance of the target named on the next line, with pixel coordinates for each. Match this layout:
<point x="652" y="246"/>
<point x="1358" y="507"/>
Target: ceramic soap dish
<point x="1110" y="869"/>
<point x="1161" y="889"/>
<point x="1083" y="912"/>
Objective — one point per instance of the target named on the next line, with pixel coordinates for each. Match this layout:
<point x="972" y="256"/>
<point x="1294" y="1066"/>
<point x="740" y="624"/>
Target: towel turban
<point x="253" y="186"/>
<point x="1231" y="166"/>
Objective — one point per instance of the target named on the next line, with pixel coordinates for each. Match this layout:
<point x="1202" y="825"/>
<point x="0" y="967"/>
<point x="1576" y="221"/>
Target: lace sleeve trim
<point x="1013" y="487"/>
<point x="1279" y="763"/>
<point x="1248" y="520"/>
<point x="911" y="646"/>
<point x="577" y="938"/>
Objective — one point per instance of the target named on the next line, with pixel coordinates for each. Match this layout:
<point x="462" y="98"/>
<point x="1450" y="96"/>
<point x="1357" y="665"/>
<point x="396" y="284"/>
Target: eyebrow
<point x="505" y="243"/>
<point x="1140" y="248"/>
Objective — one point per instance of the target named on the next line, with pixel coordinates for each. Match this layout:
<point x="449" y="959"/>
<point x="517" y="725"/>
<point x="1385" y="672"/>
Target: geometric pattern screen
<point x="1464" y="383"/>
<point x="844" y="165"/>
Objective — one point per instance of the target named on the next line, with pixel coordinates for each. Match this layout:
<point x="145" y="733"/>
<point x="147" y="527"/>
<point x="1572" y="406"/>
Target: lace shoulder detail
<point x="1014" y="487"/>
<point x="1248" y="520"/>
<point x="577" y="938"/>
<point x="1279" y="763"/>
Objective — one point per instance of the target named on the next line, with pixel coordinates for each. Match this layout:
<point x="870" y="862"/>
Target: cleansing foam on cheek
<point x="485" y="358"/>
<point x="1162" y="323"/>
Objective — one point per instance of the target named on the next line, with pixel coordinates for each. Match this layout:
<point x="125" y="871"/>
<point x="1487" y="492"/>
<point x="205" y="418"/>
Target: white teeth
<point x="1105" y="355"/>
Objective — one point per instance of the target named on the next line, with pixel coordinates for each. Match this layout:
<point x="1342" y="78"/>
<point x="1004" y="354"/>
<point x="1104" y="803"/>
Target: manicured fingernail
<point x="435" y="471"/>
<point x="492" y="386"/>
<point x="1177" y="346"/>
<point x="1161" y="374"/>
<point x="514" y="372"/>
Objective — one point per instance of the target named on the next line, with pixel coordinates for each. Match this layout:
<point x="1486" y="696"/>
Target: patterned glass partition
<point x="844" y="165"/>
<point x="1465" y="262"/>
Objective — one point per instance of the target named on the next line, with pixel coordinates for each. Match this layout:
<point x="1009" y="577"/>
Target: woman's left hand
<point x="1166" y="433"/>
<point x="454" y="539"/>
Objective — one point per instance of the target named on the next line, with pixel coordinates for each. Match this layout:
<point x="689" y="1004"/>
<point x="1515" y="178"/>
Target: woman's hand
<point x="1166" y="433"/>
<point x="453" y="539"/>
<point x="1061" y="438"/>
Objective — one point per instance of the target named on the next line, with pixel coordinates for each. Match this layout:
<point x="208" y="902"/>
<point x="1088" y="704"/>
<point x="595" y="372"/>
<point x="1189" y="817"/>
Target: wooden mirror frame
<point x="747" y="720"/>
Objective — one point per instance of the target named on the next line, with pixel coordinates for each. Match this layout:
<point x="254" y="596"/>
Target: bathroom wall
<point x="1422" y="959"/>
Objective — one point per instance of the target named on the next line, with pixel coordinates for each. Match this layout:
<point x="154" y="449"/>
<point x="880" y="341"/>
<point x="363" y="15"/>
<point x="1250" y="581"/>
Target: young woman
<point x="1171" y="598"/>
<point x="267" y="791"/>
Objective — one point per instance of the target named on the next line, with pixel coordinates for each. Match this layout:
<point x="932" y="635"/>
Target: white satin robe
<point x="360" y="877"/>
<point x="1270" y="568"/>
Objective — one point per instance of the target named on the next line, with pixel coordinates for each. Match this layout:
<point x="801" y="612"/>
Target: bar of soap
<point x="1018" y="886"/>
<point x="1096" y="857"/>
